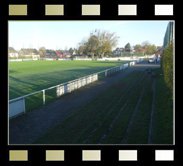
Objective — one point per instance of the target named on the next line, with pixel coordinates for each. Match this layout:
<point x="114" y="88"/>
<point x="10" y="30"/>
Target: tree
<point x="145" y="44"/>
<point x="90" y="47"/>
<point x="104" y="48"/>
<point x="42" y="51"/>
<point x="137" y="47"/>
<point x="107" y="42"/>
<point x="128" y="46"/>
<point x="98" y="43"/>
<point x="150" y="49"/>
<point x="81" y="49"/>
<point x="71" y="50"/>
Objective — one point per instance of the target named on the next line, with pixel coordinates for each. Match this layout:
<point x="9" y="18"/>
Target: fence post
<point x="24" y="104"/>
<point x="58" y="91"/>
<point x="92" y="78"/>
<point x="44" y="97"/>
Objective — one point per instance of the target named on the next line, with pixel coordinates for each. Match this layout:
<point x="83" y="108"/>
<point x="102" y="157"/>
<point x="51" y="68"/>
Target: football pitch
<point x="26" y="77"/>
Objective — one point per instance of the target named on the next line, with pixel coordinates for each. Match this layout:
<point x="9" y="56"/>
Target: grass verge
<point x="163" y="115"/>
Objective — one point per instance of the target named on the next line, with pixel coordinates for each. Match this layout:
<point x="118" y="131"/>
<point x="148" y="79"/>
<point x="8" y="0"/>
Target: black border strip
<point x="73" y="154"/>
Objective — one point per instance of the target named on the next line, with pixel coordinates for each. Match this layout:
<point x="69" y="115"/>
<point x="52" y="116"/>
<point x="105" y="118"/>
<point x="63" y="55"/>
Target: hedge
<point x="167" y="65"/>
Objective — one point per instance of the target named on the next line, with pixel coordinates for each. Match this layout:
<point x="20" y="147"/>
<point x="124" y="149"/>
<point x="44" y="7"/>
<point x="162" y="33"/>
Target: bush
<point x="167" y="66"/>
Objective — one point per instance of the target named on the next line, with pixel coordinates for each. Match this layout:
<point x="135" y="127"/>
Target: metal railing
<point x="17" y="105"/>
<point x="169" y="34"/>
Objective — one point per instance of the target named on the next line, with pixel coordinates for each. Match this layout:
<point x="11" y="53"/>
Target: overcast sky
<point x="66" y="34"/>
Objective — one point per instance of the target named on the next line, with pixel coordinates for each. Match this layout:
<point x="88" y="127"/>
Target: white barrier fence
<point x="121" y="58"/>
<point x="71" y="86"/>
<point x="17" y="106"/>
<point x="64" y="59"/>
<point x="88" y="59"/>
<point x="13" y="60"/>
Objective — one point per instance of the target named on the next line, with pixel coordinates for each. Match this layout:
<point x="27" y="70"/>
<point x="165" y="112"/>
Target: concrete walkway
<point x="26" y="128"/>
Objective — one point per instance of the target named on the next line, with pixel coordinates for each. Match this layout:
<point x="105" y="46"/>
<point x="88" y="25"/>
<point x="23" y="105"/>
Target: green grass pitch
<point x="26" y="77"/>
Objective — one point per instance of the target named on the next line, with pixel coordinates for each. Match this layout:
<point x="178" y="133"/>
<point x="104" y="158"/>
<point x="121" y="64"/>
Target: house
<point x="36" y="56"/>
<point x="67" y="55"/>
<point x="50" y="53"/>
<point x="41" y="53"/>
<point x="121" y="50"/>
<point x="118" y="52"/>
<point x="127" y="50"/>
<point x="12" y="52"/>
<point x="140" y="50"/>
<point x="63" y="54"/>
<point x="28" y="52"/>
<point x="74" y="52"/>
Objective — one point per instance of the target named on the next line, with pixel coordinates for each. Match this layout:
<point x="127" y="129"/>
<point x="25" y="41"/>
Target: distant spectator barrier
<point x="64" y="59"/>
<point x="89" y="59"/>
<point x="18" y="106"/>
<point x="121" y="58"/>
<point x="13" y="60"/>
<point x="49" y="59"/>
<point x="27" y="59"/>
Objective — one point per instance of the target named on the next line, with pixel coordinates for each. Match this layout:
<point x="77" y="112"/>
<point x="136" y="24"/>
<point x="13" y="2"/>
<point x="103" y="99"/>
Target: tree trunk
<point x="102" y="55"/>
<point x="92" y="56"/>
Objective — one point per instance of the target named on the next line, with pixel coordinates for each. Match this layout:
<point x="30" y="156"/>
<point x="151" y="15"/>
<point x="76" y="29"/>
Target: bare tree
<point x="107" y="41"/>
<point x="99" y="43"/>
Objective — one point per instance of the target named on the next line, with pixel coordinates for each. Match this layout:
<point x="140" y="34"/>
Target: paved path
<point x="26" y="128"/>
